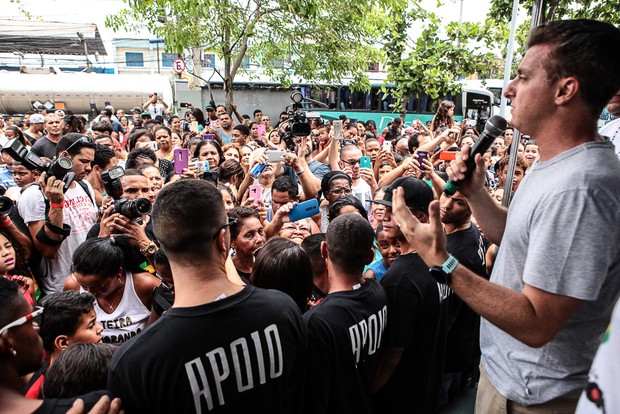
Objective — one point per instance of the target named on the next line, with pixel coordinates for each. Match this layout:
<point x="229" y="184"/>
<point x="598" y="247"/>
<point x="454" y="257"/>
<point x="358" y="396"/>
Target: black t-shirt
<point x="463" y="344"/>
<point x="237" y="354"/>
<point x="345" y="332"/>
<point x="133" y="260"/>
<point x="417" y="321"/>
<point x="61" y="406"/>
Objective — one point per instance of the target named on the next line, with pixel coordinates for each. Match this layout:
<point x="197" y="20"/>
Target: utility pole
<point x="89" y="66"/>
<point x="157" y="42"/>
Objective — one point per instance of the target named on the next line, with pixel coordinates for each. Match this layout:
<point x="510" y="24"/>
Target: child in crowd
<point x="69" y="318"/>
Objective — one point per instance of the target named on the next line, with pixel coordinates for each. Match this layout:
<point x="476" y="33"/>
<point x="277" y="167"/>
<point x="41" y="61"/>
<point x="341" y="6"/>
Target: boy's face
<point x="88" y="331"/>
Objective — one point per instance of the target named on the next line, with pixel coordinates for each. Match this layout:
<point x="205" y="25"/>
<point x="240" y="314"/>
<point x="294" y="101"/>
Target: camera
<point x="6" y="204"/>
<point x="59" y="168"/>
<point x="133" y="209"/>
<point x="297" y="124"/>
<point x="112" y="181"/>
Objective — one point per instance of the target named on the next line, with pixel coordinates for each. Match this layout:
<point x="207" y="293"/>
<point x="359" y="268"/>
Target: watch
<point x="149" y="249"/>
<point x="442" y="273"/>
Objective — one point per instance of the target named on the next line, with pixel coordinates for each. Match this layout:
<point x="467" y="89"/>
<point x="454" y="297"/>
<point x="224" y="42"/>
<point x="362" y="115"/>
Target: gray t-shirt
<point x="44" y="148"/>
<point x="563" y="236"/>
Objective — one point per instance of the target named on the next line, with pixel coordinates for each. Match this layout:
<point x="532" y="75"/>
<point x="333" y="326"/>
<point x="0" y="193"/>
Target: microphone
<point x="494" y="127"/>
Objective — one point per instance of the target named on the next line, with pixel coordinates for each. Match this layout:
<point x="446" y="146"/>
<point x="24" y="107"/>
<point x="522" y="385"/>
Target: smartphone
<point x="422" y="155"/>
<point x="181" y="159"/>
<point x="262" y="130"/>
<point x="471" y="123"/>
<point x="202" y="166"/>
<point x="365" y="162"/>
<point x="185" y="126"/>
<point x="338" y="130"/>
<point x="150" y="144"/>
<point x="256" y="192"/>
<point x="387" y="146"/>
<point x="447" y="155"/>
<point x="303" y="210"/>
<point x="193" y="126"/>
<point x="208" y="137"/>
<point x="275" y="155"/>
<point x="257" y="170"/>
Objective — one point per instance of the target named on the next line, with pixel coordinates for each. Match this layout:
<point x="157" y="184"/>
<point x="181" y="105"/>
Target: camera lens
<point x="5" y="205"/>
<point x="133" y="209"/>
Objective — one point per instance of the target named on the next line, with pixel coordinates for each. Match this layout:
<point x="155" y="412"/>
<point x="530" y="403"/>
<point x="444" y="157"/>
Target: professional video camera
<point x="59" y="168"/>
<point x="296" y="125"/>
<point x="132" y="209"/>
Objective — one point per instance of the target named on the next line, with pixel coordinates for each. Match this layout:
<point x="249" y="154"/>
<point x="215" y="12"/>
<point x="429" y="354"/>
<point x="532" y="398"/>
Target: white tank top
<point x="128" y="319"/>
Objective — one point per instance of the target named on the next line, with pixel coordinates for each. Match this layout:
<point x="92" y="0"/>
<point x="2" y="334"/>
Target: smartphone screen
<point x="387" y="146"/>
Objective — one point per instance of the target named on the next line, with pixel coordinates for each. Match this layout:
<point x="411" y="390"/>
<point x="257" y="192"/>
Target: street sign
<point x="178" y="65"/>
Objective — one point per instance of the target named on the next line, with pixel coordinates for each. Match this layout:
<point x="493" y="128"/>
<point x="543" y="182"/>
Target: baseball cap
<point x="209" y="107"/>
<point x="418" y="194"/>
<point x="143" y="114"/>
<point x="37" y="119"/>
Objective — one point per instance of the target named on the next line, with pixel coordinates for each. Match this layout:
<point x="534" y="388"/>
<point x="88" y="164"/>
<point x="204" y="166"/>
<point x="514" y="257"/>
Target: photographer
<point x="59" y="212"/>
<point x="134" y="238"/>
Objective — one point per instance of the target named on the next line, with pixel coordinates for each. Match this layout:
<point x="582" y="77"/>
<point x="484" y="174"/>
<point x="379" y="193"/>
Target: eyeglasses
<point x="38" y="310"/>
<point x="338" y="191"/>
<point x="231" y="222"/>
<point x="82" y="140"/>
<point x="351" y="162"/>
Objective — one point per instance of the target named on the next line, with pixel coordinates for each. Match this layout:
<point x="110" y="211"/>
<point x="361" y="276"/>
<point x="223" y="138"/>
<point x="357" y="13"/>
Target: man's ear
<point x="61" y="342"/>
<point x="371" y="256"/>
<point x="324" y="250"/>
<point x="567" y="89"/>
<point x="64" y="154"/>
<point x="6" y="344"/>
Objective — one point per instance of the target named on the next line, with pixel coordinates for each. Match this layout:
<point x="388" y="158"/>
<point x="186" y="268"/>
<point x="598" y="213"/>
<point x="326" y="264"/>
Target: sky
<point x="94" y="11"/>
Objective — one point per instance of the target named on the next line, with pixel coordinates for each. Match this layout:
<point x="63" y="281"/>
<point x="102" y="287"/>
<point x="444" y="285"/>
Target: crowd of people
<point x="321" y="273"/>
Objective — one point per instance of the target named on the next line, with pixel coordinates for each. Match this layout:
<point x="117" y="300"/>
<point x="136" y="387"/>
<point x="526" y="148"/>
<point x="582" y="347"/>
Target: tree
<point x="434" y="61"/>
<point x="607" y="11"/>
<point x="317" y="40"/>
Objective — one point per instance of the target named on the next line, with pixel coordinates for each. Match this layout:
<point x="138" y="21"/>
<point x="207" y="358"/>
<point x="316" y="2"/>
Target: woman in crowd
<point x="284" y="265"/>
<point x="231" y="152"/>
<point x="197" y="115"/>
<point x="163" y="137"/>
<point x="335" y="184"/>
<point x="138" y="135"/>
<point x="13" y="132"/>
<point x="347" y="204"/>
<point x="13" y="265"/>
<point x="245" y="152"/>
<point x="296" y="231"/>
<point x="123" y="303"/>
<point x="155" y="179"/>
<point x="209" y="150"/>
<point x="246" y="236"/>
<point x="229" y="199"/>
<point x="230" y="174"/>
<point x="177" y="141"/>
<point x="444" y="117"/>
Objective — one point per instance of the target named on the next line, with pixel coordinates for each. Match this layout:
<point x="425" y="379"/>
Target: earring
<point x="233" y="250"/>
<point x="14" y="352"/>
